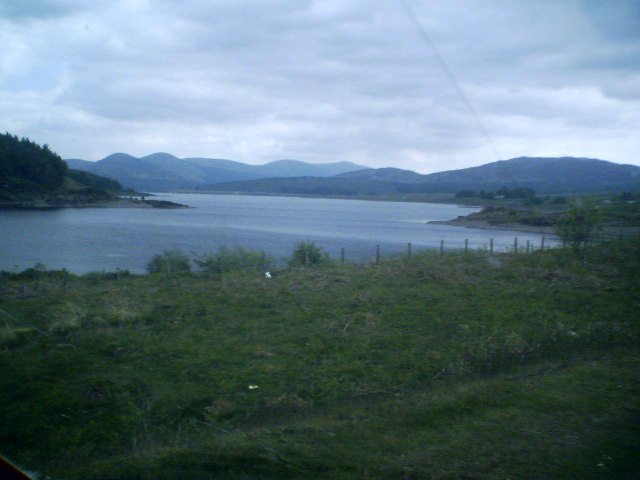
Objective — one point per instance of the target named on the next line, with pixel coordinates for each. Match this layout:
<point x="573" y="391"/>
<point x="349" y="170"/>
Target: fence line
<point x="516" y="247"/>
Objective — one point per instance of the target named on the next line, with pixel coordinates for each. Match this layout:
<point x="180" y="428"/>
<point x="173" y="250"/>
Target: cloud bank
<point x="416" y="84"/>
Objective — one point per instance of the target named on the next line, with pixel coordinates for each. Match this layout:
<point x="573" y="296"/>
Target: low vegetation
<point x="308" y="253"/>
<point x="434" y="366"/>
<point x="227" y="260"/>
<point x="170" y="262"/>
<point x="600" y="215"/>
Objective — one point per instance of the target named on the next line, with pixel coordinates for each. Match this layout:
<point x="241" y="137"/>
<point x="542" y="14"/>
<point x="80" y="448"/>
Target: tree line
<point x="28" y="167"/>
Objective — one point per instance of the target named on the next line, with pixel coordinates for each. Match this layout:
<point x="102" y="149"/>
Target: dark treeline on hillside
<point x="28" y="167"/>
<point x="33" y="176"/>
<point x="94" y="181"/>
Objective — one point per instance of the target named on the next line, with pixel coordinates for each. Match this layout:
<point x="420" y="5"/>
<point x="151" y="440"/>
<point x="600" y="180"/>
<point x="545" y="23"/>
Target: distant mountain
<point x="163" y="171"/>
<point x="77" y="163"/>
<point x="295" y="168"/>
<point x="330" y="186"/>
<point x="393" y="175"/>
<point x="543" y="175"/>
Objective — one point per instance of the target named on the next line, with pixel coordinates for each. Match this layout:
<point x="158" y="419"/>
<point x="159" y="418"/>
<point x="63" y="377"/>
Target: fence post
<point x="515" y="245"/>
<point x="491" y="247"/>
<point x="542" y="243"/>
<point x="409" y="249"/>
<point x="466" y="245"/>
<point x="342" y="256"/>
<point x="377" y="254"/>
<point x="528" y="246"/>
<point x="441" y="247"/>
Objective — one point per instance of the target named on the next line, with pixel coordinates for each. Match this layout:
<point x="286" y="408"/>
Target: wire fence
<point x="518" y="246"/>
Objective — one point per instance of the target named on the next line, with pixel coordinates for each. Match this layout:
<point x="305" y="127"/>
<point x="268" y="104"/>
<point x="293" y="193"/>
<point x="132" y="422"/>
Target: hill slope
<point x="163" y="171"/>
<point x="34" y="176"/>
<point x="543" y="175"/>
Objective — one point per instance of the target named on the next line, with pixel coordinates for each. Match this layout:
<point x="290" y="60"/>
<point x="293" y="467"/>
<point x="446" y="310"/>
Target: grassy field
<point x="434" y="367"/>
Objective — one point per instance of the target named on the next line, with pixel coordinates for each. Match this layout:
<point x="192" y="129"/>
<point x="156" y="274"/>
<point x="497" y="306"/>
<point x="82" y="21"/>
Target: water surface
<point x="96" y="239"/>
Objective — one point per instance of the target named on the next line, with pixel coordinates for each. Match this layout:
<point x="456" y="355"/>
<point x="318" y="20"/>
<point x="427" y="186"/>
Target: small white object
<point x="253" y="387"/>
<point x="267" y="275"/>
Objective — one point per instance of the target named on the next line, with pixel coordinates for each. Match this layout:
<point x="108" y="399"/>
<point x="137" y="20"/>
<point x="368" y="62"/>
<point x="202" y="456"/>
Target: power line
<point x="450" y="76"/>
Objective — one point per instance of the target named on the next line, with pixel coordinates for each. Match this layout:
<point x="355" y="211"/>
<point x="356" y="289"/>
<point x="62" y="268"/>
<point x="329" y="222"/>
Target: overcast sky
<point x="425" y="85"/>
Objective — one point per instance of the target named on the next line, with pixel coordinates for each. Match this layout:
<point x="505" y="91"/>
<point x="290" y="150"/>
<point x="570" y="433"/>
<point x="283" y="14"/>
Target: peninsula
<point x="34" y="177"/>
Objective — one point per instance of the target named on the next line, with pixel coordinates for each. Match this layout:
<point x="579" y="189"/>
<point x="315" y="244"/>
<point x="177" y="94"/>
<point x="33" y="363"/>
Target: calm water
<point x="96" y="239"/>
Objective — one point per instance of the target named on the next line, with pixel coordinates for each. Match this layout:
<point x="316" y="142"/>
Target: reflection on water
<point x="84" y="240"/>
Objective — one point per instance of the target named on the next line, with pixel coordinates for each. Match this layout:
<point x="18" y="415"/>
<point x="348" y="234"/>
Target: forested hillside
<point x="26" y="167"/>
<point x="33" y="176"/>
<point x="93" y="180"/>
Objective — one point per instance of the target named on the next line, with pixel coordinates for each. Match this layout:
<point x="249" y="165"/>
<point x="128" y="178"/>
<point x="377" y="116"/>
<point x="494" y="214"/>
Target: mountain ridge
<point x="541" y="174"/>
<point x="164" y="171"/>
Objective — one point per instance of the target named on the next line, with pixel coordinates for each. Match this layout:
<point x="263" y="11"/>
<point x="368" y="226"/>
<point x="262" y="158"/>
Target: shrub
<point x="308" y="253"/>
<point x="579" y="226"/>
<point x="170" y="261"/>
<point x="237" y="258"/>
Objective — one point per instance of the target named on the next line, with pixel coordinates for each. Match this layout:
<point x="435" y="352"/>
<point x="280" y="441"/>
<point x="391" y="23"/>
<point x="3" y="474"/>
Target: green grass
<point x="438" y="366"/>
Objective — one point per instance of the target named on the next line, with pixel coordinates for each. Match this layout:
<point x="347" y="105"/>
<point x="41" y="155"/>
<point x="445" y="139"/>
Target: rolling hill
<point x="543" y="175"/>
<point x="163" y="171"/>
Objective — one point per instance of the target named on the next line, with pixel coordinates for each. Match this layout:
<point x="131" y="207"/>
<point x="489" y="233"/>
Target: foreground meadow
<point x="430" y="367"/>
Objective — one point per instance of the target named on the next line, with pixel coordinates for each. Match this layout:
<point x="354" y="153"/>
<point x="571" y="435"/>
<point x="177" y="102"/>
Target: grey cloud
<point x="321" y="80"/>
<point x="617" y="22"/>
<point x="20" y="9"/>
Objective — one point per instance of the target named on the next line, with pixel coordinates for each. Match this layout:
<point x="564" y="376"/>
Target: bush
<point x="170" y="261"/>
<point x="237" y="258"/>
<point x="308" y="253"/>
<point x="579" y="226"/>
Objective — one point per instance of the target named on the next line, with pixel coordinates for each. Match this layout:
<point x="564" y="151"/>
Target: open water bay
<point x="105" y="239"/>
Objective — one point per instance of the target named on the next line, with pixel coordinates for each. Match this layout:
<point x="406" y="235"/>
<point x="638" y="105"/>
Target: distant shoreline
<point x="43" y="204"/>
<point x="607" y="231"/>
<point x="483" y="225"/>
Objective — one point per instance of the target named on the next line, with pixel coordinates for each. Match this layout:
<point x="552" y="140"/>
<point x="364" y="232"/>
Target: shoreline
<point x="484" y="225"/>
<point x="118" y="203"/>
<point x="607" y="231"/>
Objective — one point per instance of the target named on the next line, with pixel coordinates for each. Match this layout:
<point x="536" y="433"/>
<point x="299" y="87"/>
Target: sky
<point x="424" y="85"/>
